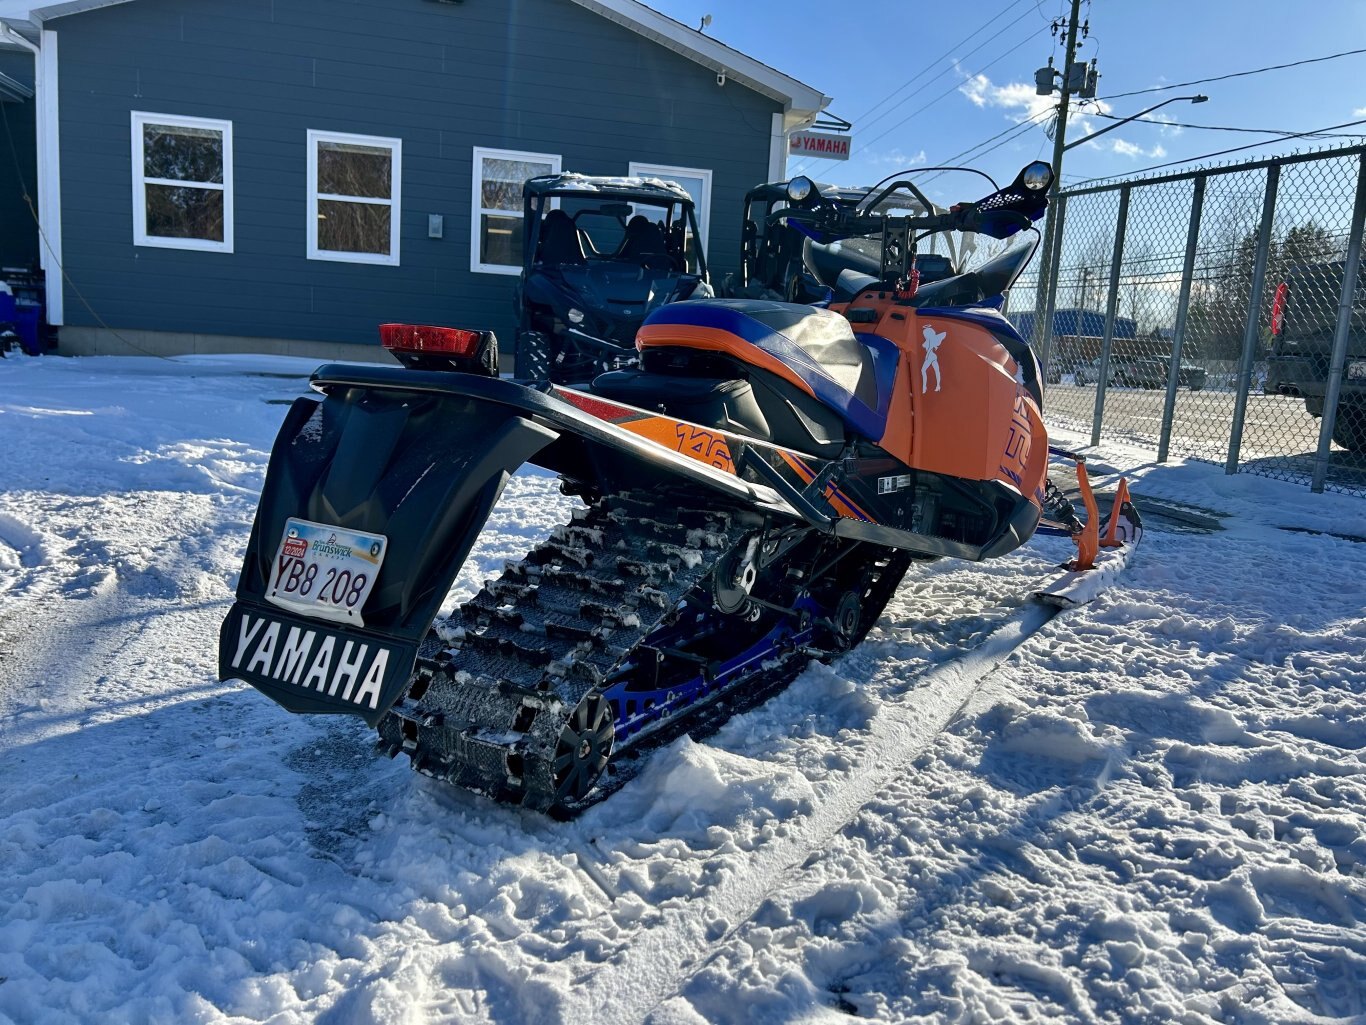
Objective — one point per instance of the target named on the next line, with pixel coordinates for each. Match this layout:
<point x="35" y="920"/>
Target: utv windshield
<point x="655" y="234"/>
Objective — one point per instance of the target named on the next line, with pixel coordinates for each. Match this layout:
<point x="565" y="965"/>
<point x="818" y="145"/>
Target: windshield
<point x="611" y="229"/>
<point x="940" y="253"/>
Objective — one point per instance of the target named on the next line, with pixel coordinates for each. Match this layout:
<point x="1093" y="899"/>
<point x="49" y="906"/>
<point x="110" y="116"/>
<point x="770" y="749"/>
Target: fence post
<point x="1111" y="311"/>
<point x="1183" y="303"/>
<point x="1254" y="307"/>
<point x="1045" y="349"/>
<point x="1338" y="362"/>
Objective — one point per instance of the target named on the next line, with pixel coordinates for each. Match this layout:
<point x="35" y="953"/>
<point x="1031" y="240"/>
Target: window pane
<point x="500" y="240"/>
<point x="501" y="187"/>
<point x="184" y="212"/>
<point x="353" y="227"/>
<point x="182" y="154"/>
<point x="349" y="169"/>
<point x="692" y="186"/>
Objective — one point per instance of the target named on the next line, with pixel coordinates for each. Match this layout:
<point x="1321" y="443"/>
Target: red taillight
<point x="1278" y="308"/>
<point x="449" y="341"/>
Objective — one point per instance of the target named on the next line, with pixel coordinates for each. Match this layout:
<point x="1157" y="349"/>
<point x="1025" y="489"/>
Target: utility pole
<point x="1084" y="84"/>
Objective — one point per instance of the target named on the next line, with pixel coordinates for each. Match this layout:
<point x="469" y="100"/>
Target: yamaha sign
<point x="821" y="145"/>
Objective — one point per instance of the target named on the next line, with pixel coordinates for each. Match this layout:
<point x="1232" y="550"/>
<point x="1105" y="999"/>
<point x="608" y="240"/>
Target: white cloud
<point x="1128" y="149"/>
<point x="897" y="158"/>
<point x="1360" y="112"/>
<point x="1017" y="98"/>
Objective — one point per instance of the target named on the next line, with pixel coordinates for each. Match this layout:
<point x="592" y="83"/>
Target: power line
<point x="1214" y="128"/>
<point x="1235" y="74"/>
<point x="920" y="110"/>
<point x="1223" y="152"/>
<point x="807" y="162"/>
<point x="926" y="69"/>
<point x="1013" y="132"/>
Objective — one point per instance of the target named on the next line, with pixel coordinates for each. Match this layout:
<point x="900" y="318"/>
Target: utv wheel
<point x="584" y="748"/>
<point x="1349" y="430"/>
<point x="531" y="357"/>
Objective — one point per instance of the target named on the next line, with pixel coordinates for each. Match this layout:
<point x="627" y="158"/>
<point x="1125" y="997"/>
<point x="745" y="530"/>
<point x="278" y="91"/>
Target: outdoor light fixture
<point x="799" y="188"/>
<point x="1198" y="98"/>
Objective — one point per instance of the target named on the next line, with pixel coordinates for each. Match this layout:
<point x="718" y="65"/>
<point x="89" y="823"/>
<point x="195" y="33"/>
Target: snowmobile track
<point x="487" y="711"/>
<point x="496" y="709"/>
<point x="662" y="960"/>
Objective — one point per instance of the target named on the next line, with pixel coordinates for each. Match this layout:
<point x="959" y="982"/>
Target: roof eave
<point x="800" y="102"/>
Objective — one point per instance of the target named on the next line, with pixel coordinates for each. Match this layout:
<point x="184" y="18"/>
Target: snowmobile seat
<point x="560" y="243"/>
<point x="814" y="349"/>
<point x="711" y="402"/>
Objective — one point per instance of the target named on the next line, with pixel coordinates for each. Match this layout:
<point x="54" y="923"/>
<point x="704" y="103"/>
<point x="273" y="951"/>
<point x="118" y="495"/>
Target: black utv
<point x="598" y="255"/>
<point x="776" y="255"/>
<point x="1303" y="325"/>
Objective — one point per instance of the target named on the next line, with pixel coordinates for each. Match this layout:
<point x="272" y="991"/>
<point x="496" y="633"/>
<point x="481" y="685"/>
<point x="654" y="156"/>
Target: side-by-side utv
<point x="774" y="231"/>
<point x="598" y="255"/>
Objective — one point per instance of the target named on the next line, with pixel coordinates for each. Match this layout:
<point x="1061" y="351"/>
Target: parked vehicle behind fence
<point x="1303" y="323"/>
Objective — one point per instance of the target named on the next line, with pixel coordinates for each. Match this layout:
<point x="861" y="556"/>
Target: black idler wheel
<point x="584" y="747"/>
<point x="848" y="616"/>
<point x="734" y="578"/>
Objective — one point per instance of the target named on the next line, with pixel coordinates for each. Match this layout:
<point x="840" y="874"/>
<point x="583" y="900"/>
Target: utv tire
<point x="531" y="357"/>
<point x="1350" y="429"/>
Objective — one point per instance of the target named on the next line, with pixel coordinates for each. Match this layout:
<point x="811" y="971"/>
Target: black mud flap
<point x="421" y="468"/>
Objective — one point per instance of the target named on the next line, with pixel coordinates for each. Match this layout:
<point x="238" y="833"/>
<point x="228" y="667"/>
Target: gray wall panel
<point x="540" y="75"/>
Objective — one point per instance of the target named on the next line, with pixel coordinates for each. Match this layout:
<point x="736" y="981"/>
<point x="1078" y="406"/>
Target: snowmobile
<point x="753" y="493"/>
<point x="598" y="255"/>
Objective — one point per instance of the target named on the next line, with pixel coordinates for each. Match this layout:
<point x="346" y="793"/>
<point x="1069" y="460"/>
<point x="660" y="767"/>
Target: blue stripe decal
<point x="868" y="422"/>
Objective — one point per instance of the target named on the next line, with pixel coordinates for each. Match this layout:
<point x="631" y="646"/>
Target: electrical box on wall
<point x="435" y="225"/>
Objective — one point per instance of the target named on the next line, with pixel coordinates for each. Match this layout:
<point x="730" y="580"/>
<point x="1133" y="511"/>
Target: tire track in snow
<point x="662" y="959"/>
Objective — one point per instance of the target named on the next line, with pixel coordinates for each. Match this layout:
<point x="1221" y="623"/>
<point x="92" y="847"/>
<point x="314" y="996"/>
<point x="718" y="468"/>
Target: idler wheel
<point x="584" y="747"/>
<point x="848" y="615"/>
<point x="734" y="577"/>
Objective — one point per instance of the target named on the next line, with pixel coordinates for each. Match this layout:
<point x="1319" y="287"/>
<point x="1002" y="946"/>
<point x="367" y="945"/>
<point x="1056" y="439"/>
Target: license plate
<point x="325" y="572"/>
<point x="1356" y="371"/>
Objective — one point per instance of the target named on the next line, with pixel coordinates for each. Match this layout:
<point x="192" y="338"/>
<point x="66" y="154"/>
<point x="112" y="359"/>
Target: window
<point x="496" y="228"/>
<point x="695" y="181"/>
<point x="353" y="197"/>
<point x="182" y="182"/>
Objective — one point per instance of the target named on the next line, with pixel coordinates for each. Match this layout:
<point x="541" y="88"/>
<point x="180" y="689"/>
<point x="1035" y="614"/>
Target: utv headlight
<point x="575" y="316"/>
<point x="799" y="188"/>
<point x="1037" y="176"/>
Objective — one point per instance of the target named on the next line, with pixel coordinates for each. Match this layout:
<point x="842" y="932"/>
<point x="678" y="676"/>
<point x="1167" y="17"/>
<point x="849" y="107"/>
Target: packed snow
<point x="1151" y="808"/>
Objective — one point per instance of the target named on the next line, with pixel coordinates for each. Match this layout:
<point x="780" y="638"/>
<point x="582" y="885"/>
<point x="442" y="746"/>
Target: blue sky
<point x="918" y="53"/>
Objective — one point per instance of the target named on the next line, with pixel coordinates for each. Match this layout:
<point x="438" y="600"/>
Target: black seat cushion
<point x="560" y="243"/>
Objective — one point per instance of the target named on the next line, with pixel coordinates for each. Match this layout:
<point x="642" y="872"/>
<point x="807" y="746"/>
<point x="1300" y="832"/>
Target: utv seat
<point x="643" y="238"/>
<point x="814" y="349"/>
<point x="559" y="243"/>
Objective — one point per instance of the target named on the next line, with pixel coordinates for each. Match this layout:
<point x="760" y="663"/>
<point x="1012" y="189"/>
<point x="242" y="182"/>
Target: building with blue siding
<point x="1077" y="323"/>
<point x="285" y="175"/>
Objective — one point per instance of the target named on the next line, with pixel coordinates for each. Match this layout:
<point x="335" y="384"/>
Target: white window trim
<point x="702" y="210"/>
<point x="140" y="183"/>
<point x="482" y="153"/>
<point x="394" y="202"/>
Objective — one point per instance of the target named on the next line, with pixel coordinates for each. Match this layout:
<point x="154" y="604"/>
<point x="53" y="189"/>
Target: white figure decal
<point x="933" y="339"/>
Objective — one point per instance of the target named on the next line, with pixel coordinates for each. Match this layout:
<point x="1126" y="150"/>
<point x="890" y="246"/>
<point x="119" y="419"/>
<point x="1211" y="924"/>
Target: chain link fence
<point x="1218" y="314"/>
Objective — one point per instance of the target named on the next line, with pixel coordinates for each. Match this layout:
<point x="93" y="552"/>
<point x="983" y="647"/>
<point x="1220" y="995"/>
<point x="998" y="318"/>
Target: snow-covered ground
<point x="1152" y="809"/>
